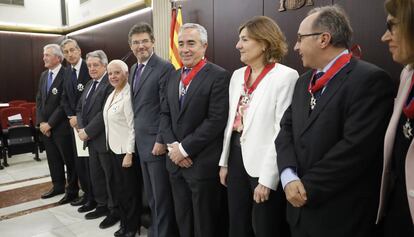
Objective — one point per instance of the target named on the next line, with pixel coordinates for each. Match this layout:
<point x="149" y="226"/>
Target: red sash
<point x="409" y="105"/>
<point x="336" y="67"/>
<point x="247" y="73"/>
<point x="186" y="81"/>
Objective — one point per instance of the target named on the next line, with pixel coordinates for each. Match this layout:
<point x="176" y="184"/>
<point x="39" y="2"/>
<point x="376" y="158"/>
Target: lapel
<point x="175" y="81"/>
<point x="131" y="77"/>
<point x="120" y="97"/>
<point x="55" y="82"/>
<point x="83" y="74"/>
<point x="147" y="71"/>
<point x="235" y="93"/>
<point x="333" y="85"/>
<point x="194" y="85"/>
<point x="101" y="86"/>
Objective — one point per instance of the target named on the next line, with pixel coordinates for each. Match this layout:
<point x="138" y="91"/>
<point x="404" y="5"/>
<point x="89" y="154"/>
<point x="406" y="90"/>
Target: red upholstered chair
<point x="15" y="103"/>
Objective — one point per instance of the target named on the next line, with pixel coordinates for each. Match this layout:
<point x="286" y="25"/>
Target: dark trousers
<point x="158" y="192"/>
<point x="59" y="154"/>
<point x="84" y="176"/>
<point x="197" y="205"/>
<point x="100" y="166"/>
<point x="125" y="192"/>
<point x="248" y="218"/>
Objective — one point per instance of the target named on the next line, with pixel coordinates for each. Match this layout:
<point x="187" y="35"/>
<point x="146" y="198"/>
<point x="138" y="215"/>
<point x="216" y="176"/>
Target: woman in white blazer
<point x="120" y="137"/>
<point x="258" y="95"/>
<point x="397" y="187"/>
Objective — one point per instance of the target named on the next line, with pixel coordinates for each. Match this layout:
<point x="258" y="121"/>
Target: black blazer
<point x="48" y="107"/>
<point x="200" y="123"/>
<point x="146" y="104"/>
<point x="73" y="91"/>
<point x="94" y="124"/>
<point x="337" y="148"/>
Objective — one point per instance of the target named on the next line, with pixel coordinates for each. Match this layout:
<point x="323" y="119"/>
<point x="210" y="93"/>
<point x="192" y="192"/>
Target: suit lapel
<point x="101" y="85"/>
<point x="147" y="71"/>
<point x="131" y="78"/>
<point x="175" y="90"/>
<point x="56" y="81"/>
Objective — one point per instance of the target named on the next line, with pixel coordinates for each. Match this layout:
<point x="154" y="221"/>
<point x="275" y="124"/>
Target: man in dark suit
<point x="76" y="77"/>
<point x="55" y="128"/>
<point x="147" y="79"/>
<point x="331" y="139"/>
<point x="194" y="114"/>
<point x="92" y="132"/>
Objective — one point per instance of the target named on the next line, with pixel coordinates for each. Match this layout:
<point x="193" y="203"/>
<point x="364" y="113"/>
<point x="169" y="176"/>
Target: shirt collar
<point x="146" y="61"/>
<point x="78" y="65"/>
<point x="329" y="65"/>
<point x="55" y="70"/>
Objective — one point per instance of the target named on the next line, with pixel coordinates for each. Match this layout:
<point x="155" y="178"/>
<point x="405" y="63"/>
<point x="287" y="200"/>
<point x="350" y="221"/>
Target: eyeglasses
<point x="391" y="26"/>
<point x="138" y="42"/>
<point x="299" y="39"/>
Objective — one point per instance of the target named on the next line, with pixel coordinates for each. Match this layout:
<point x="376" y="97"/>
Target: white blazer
<point x="261" y="123"/>
<point x="402" y="95"/>
<point x="119" y="122"/>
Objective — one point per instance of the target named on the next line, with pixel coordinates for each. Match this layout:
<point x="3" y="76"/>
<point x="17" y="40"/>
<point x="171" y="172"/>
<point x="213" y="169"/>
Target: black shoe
<point x="79" y="201"/>
<point x="51" y="193"/>
<point x="109" y="221"/>
<point x="89" y="206"/>
<point x="120" y="232"/>
<point x="130" y="234"/>
<point x="99" y="211"/>
<point x="68" y="198"/>
<point x="37" y="159"/>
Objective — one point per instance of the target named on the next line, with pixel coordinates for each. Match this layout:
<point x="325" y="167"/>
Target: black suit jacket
<point x="147" y="104"/>
<point x="94" y="124"/>
<point x="200" y="123"/>
<point x="337" y="148"/>
<point x="48" y="107"/>
<point x="72" y="90"/>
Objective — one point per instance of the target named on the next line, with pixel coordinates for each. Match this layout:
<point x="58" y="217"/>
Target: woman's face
<point x="395" y="41"/>
<point x="117" y="77"/>
<point x="251" y="51"/>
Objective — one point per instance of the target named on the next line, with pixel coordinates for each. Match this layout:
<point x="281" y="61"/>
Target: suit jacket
<point x="119" y="122"/>
<point x="388" y="149"/>
<point x="261" y="123"/>
<point x="72" y="90"/>
<point x="94" y="125"/>
<point x="48" y="107"/>
<point x="336" y="149"/>
<point x="199" y="124"/>
<point x="147" y="104"/>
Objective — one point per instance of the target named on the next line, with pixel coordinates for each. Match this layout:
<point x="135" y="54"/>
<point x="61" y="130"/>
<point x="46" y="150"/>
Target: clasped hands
<point x="82" y="134"/>
<point x="45" y="129"/>
<point x="295" y="193"/>
<point x="177" y="157"/>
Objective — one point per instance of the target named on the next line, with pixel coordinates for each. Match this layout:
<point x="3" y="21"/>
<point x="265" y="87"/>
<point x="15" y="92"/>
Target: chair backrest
<point x="29" y="105"/>
<point x="15" y="103"/>
<point x="7" y="112"/>
<point x="33" y="114"/>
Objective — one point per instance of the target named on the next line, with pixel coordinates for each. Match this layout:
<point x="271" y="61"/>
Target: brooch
<point x="80" y="87"/>
<point x="55" y="91"/>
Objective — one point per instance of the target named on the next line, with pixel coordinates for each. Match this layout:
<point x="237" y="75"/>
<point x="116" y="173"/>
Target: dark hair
<point x="264" y="29"/>
<point x="141" y="27"/>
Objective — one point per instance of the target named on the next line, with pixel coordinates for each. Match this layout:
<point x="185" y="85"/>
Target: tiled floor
<point x="62" y="221"/>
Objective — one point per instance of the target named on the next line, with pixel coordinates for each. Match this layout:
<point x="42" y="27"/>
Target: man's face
<point x="190" y="48"/>
<point x="96" y="68"/>
<point x="50" y="60"/>
<point x="71" y="53"/>
<point x="142" y="46"/>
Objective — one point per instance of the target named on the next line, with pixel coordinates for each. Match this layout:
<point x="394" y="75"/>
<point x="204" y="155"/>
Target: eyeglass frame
<point x="139" y="42"/>
<point x="390" y="25"/>
<point x="300" y="36"/>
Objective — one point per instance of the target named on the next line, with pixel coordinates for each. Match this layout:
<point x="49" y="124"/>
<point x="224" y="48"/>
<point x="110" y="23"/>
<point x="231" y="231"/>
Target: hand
<point x="175" y="153"/>
<point x="48" y="134"/>
<point x="159" y="149"/>
<point x="186" y="163"/>
<point x="73" y="121"/>
<point x="45" y="127"/>
<point x="223" y="175"/>
<point x="127" y="161"/>
<point x="82" y="135"/>
<point x="261" y="193"/>
<point x="295" y="193"/>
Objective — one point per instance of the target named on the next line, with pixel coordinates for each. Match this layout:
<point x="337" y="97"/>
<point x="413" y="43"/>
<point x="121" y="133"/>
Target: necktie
<point x="49" y="81"/>
<point x="183" y="89"/>
<point x="89" y="96"/>
<point x="74" y="76"/>
<point x="315" y="78"/>
<point x="137" y="76"/>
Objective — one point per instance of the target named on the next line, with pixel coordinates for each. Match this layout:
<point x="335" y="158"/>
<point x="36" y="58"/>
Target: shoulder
<point x="285" y="72"/>
<point x="217" y="70"/>
<point x="157" y="61"/>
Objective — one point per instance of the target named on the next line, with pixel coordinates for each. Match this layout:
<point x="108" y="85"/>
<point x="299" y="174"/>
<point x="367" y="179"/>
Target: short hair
<point x="201" y="30"/>
<point x="120" y="63"/>
<point x="334" y="20"/>
<point x="55" y="50"/>
<point x="139" y="28"/>
<point x="67" y="41"/>
<point x="264" y="29"/>
<point x="403" y="11"/>
<point x="100" y="54"/>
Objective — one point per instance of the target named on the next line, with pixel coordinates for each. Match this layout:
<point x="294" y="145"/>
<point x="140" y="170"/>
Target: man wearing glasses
<point x="331" y="139"/>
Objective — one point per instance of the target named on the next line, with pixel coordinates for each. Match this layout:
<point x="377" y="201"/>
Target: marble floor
<point x="26" y="214"/>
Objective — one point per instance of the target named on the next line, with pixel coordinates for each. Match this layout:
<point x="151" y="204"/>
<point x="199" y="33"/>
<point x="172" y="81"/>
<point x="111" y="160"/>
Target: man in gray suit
<point x="147" y="79"/>
<point x="92" y="132"/>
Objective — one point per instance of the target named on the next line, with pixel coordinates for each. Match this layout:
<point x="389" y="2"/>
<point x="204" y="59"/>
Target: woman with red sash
<point x="397" y="188"/>
<point x="259" y="94"/>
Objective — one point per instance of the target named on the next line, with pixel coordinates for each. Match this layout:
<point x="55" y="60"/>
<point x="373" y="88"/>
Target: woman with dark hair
<point x="397" y="188"/>
<point x="259" y="94"/>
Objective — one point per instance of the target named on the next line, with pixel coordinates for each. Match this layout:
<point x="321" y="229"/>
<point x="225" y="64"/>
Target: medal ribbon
<point x="336" y="67"/>
<point x="186" y="81"/>
<point x="409" y="105"/>
<point x="247" y="74"/>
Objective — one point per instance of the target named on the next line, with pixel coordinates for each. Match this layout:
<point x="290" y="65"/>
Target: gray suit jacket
<point x="146" y="104"/>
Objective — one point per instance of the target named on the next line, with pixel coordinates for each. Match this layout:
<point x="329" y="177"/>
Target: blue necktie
<point x="183" y="91"/>
<point x="49" y="81"/>
<point x="137" y="77"/>
<point x="74" y="76"/>
<point x="315" y="78"/>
